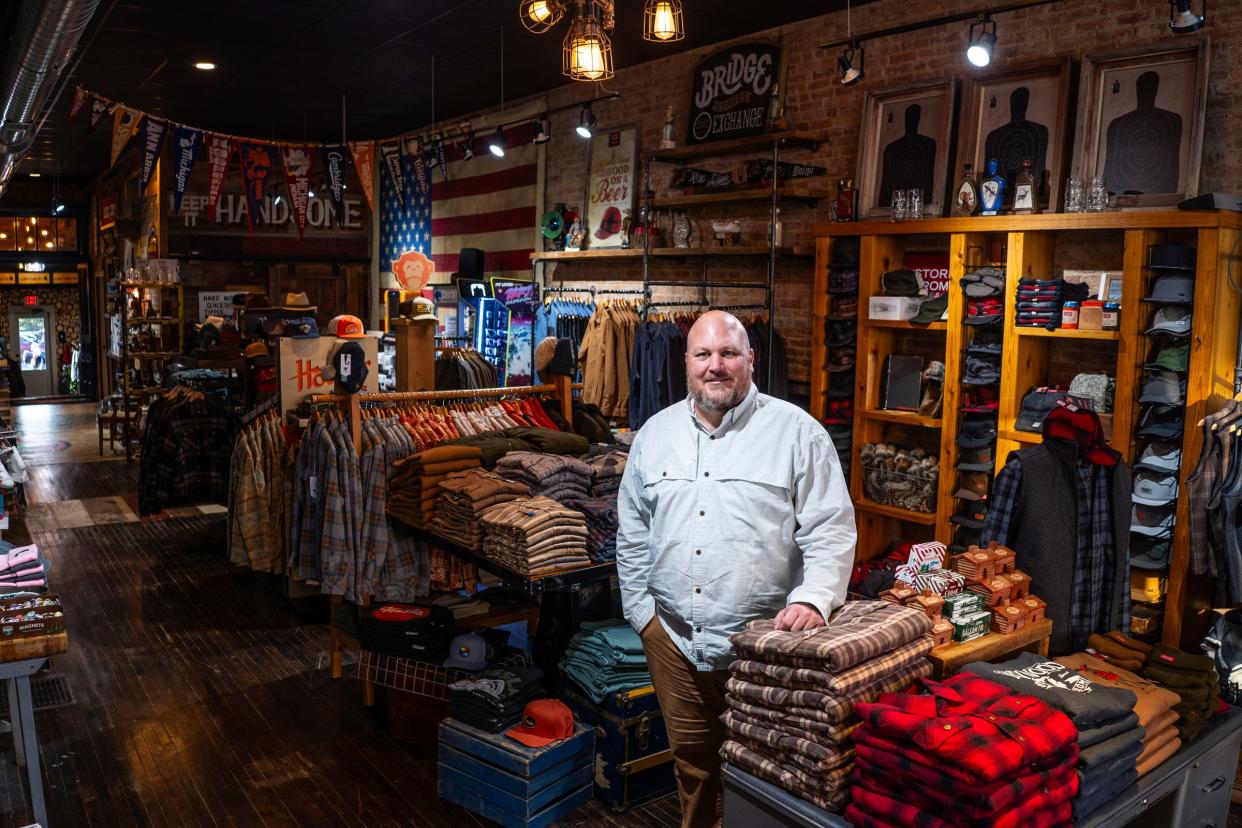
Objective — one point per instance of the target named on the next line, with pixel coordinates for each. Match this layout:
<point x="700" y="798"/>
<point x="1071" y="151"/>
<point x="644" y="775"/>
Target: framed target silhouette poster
<point x="1014" y="114"/>
<point x="906" y="143"/>
<point x="1140" y="122"/>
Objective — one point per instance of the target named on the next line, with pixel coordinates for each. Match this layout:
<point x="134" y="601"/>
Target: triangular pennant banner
<point x="187" y="143"/>
<point x="441" y="160"/>
<point x="153" y="133"/>
<point x="334" y="170"/>
<point x="219" y="153"/>
<point x="391" y="153"/>
<point x="79" y="100"/>
<point x="256" y="167"/>
<point x="98" y="109"/>
<point x="364" y="162"/>
<point x="125" y="123"/>
<point x="297" y="179"/>
<point x="410" y="145"/>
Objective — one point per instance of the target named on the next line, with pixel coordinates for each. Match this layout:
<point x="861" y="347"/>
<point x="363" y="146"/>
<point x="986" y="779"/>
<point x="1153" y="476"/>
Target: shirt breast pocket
<point x="759" y="504"/>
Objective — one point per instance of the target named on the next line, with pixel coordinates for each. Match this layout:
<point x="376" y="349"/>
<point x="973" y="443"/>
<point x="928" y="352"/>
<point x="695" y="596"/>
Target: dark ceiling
<point x="283" y="65"/>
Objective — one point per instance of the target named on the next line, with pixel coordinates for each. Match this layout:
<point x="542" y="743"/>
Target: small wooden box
<point x="509" y="783"/>
<point x="1008" y="617"/>
<point x="1003" y="558"/>
<point x="1020" y="584"/>
<point x="975" y="564"/>
<point x="1034" y="607"/>
<point x="993" y="591"/>
<point x="942" y="632"/>
<point x="899" y="594"/>
<point x="928" y="602"/>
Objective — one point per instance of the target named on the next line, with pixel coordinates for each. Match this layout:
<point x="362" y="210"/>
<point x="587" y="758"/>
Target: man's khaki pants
<point x="692" y="702"/>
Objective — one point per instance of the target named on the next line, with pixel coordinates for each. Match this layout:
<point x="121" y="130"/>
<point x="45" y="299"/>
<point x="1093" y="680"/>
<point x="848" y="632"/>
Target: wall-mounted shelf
<point x="903" y="417"/>
<point x="925" y="518"/>
<point x="661" y="253"/>
<point x="1063" y="333"/>
<point x="742" y="196"/>
<point x="902" y="325"/>
<point x="738" y="146"/>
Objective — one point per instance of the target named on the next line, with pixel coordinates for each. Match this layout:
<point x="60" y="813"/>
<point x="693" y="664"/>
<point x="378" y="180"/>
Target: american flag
<point x="487" y="202"/>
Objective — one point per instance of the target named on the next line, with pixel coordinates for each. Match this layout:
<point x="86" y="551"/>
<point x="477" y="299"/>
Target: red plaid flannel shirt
<point x="871" y="809"/>
<point x="973" y="724"/>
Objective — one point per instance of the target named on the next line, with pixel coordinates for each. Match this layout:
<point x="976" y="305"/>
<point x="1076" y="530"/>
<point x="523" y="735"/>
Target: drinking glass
<point x="1074" y="195"/>
<point x="914" y="203"/>
<point x="1097" y="197"/>
<point x="899" y="205"/>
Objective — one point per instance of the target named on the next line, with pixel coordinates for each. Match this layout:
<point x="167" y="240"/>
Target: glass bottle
<point x="666" y="132"/>
<point x="847" y="200"/>
<point x="967" y="201"/>
<point x="992" y="190"/>
<point x="1025" y="191"/>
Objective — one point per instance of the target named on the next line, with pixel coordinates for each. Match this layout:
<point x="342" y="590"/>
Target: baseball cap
<point x="419" y="309"/>
<point x="986" y="342"/>
<point x="970" y="513"/>
<point x="1149" y="553"/>
<point x="467" y="652"/>
<point x="845" y="251"/>
<point x="300" y="327"/>
<point x="840" y="332"/>
<point x="843" y="281"/>
<point x="1174" y="289"/>
<point x="544" y="721"/>
<point x="842" y="360"/>
<point x="257" y="349"/>
<point x="976" y="433"/>
<point x="1160" y="456"/>
<point x="1171" y="256"/>
<point x="986" y="281"/>
<point x="972" y="485"/>
<point x="257" y="301"/>
<point x="1152" y="521"/>
<point x="609" y="224"/>
<point x="932" y="310"/>
<point x="902" y="282"/>
<point x="980" y="399"/>
<point x="1154" y="488"/>
<point x="844" y="307"/>
<point x="980" y="459"/>
<point x="563" y="358"/>
<point x="1161" y="422"/>
<point x="350" y="362"/>
<point x="544" y="352"/>
<point x="984" y="311"/>
<point x="1164" y="387"/>
<point x="981" y="372"/>
<point x="1171" y="357"/>
<point x="1171" y="319"/>
<point x="346" y="326"/>
<point x="1036" y="405"/>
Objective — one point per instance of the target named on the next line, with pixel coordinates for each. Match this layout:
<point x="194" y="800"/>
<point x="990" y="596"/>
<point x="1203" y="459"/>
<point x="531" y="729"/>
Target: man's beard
<point x="741" y="385"/>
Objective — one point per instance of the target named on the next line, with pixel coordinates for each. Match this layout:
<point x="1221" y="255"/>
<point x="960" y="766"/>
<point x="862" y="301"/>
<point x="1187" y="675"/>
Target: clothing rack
<point x="258" y="411"/>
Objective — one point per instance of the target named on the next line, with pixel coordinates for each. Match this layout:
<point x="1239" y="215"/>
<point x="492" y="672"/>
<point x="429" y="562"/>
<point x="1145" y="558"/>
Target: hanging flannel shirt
<point x="971" y="724"/>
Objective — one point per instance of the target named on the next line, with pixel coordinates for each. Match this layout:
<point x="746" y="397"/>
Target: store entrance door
<point x="33" y="326"/>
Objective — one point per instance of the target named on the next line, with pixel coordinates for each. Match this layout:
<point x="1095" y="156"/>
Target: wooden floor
<point x="201" y="698"/>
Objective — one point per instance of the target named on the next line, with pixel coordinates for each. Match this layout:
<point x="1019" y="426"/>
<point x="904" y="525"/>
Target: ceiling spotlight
<point x="1182" y="19"/>
<point x="540" y="15"/>
<point x="36" y="175"/>
<point x="850" y="64"/>
<point x="310" y="191"/>
<point x="276" y="200"/>
<point x="542" y="133"/>
<point x="662" y="21"/>
<point x="586" y="52"/>
<point x="981" y="41"/>
<point x="205" y="65"/>
<point x="586" y="122"/>
<point x="498" y="143"/>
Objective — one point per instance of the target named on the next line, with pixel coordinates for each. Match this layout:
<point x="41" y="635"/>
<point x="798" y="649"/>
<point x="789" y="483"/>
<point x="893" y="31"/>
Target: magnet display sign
<point x="732" y="92"/>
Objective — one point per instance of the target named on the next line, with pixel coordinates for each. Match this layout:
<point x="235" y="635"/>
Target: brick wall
<point x="816" y="101"/>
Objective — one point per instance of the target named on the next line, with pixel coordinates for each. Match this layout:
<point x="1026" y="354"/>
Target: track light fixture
<point x="850" y="64"/>
<point x="586" y="122"/>
<point x="541" y="130"/>
<point x="1182" y="20"/>
<point x="982" y="40"/>
<point x="58" y="206"/>
<point x="497" y="145"/>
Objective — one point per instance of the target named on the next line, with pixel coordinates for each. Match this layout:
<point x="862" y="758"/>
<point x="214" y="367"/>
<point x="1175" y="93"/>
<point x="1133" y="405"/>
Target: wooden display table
<point x="20" y="658"/>
<point x="950" y="658"/>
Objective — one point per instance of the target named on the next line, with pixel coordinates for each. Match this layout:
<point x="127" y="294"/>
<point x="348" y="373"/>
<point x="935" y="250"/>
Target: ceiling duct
<point x="44" y="38"/>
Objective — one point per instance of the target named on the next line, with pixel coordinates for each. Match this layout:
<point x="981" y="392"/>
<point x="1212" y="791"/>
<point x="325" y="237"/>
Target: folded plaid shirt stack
<point x="534" y="535"/>
<point x="550" y="475"/>
<point x="963" y="752"/>
<point x="601" y="521"/>
<point x="464" y="496"/>
<point x="791" y="696"/>
<point x="606" y="470"/>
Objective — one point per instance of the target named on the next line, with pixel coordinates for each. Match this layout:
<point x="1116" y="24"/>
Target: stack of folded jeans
<point x="966" y="752"/>
<point x="463" y="497"/>
<point x="1109" y="736"/>
<point x="415" y="485"/>
<point x="550" y="475"/>
<point x="493" y="700"/>
<point x="1154" y="706"/>
<point x="791" y="696"/>
<point x="601" y="522"/>
<point x="1040" y="301"/>
<point x="1193" y="678"/>
<point x="606" y="471"/>
<point x="23" y="569"/>
<point x="534" y="535"/>
<point x="606" y="657"/>
<point x="1120" y="650"/>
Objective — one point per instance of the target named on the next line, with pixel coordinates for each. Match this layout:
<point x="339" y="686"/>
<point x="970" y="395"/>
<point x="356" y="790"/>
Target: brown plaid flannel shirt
<point x="821" y="707"/>
<point x="827" y="790"/>
<point x="843" y="683"/>
<point x="811" y="754"/>
<point x="857" y="632"/>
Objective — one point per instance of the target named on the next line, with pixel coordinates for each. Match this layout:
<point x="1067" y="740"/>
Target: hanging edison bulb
<point x="586" y="53"/>
<point x="538" y="16"/>
<point x="662" y="21"/>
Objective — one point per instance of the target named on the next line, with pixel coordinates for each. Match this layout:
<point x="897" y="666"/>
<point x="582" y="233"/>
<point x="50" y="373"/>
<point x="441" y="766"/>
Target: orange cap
<point x="346" y="326"/>
<point x="544" y="721"/>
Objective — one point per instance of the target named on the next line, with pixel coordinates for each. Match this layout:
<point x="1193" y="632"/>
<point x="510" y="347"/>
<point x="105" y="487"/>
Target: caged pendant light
<point x="662" y="21"/>
<point x="586" y="53"/>
<point x="538" y="16"/>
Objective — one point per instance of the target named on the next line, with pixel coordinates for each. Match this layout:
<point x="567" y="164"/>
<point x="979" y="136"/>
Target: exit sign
<point x="31" y="300"/>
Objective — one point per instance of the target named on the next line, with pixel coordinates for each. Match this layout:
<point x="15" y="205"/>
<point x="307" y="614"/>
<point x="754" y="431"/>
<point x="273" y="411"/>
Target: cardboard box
<point x="893" y="308"/>
<point x="972" y="626"/>
<point x="962" y="605"/>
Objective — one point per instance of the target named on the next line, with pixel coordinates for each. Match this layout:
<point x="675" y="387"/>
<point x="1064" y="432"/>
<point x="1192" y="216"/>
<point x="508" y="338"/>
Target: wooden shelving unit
<point x="659" y="253"/>
<point x="172" y="332"/>
<point x="904" y="417"/>
<point x="1028" y="246"/>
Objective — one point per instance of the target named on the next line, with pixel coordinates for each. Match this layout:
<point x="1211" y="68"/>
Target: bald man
<point x="733" y="507"/>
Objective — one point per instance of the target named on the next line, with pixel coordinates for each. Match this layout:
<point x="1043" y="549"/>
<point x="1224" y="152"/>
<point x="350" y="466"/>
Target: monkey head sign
<point x="732" y="91"/>
<point x="413" y="270"/>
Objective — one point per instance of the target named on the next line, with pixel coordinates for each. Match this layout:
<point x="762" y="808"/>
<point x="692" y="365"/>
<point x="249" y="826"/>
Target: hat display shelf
<point x="157" y="330"/>
<point x="1041" y="246"/>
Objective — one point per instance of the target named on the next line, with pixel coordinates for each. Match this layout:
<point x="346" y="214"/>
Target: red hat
<point x="544" y="721"/>
<point x="610" y="224"/>
<point x="346" y="326"/>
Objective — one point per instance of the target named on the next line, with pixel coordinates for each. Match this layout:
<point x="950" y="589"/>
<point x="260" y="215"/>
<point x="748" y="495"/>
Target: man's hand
<point x="798" y="617"/>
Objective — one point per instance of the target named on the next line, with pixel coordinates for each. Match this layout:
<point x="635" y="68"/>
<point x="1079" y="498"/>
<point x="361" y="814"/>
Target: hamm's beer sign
<point x="732" y="91"/>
